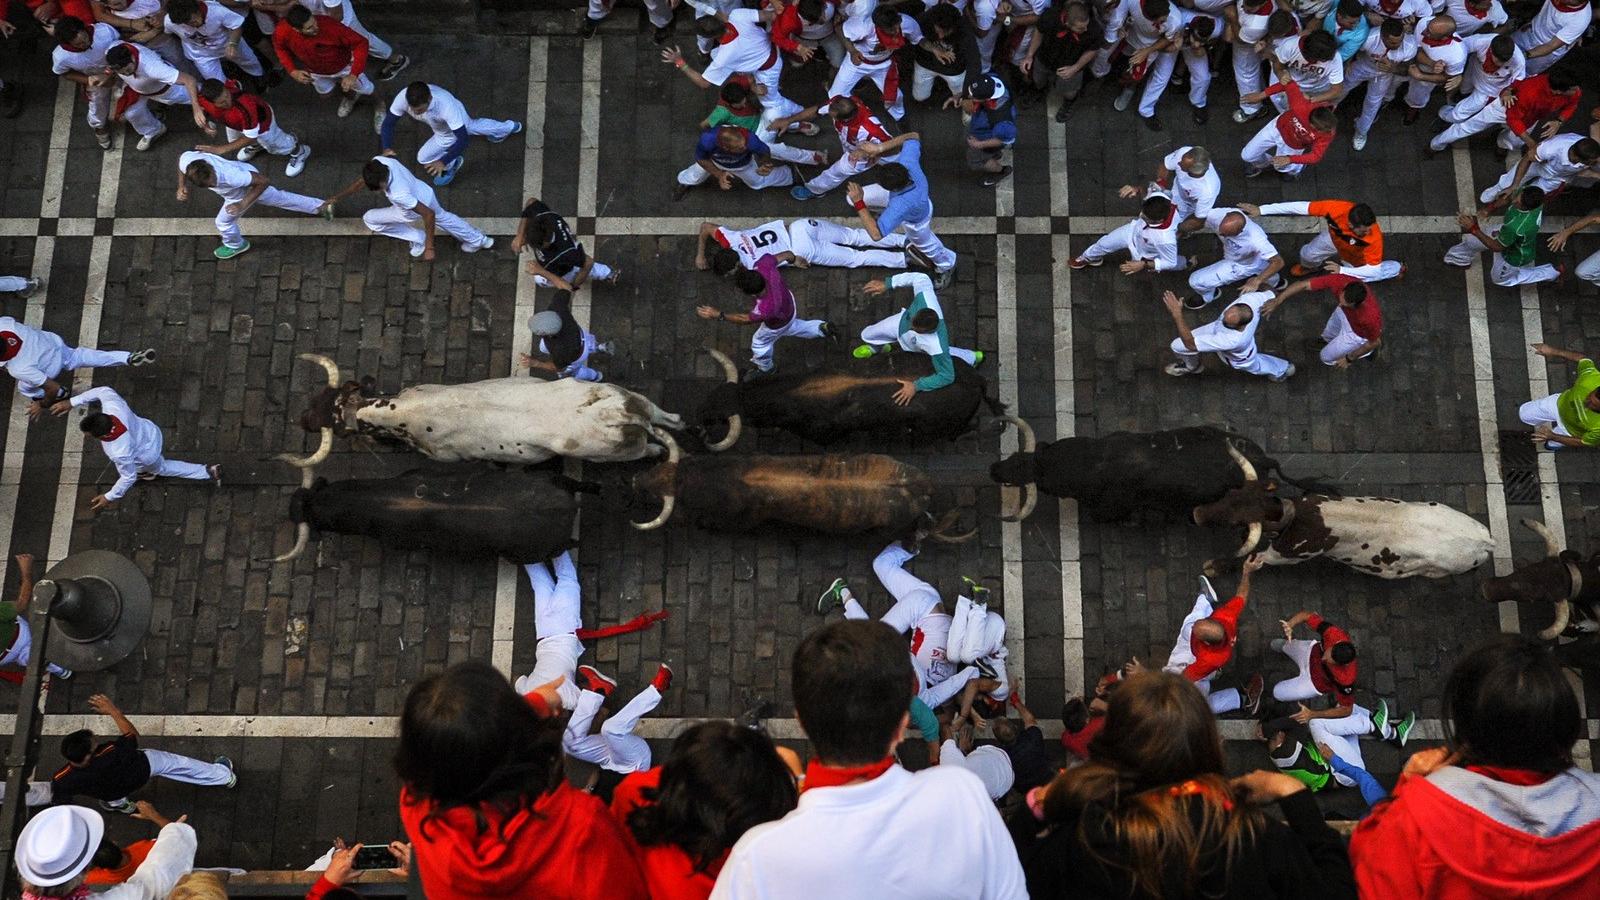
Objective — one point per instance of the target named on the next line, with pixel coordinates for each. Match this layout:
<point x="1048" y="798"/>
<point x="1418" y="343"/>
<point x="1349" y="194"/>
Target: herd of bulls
<point x="495" y="505"/>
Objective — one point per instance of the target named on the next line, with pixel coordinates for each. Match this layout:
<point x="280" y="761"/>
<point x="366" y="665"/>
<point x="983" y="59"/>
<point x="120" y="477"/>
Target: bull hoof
<point x="1210" y="569"/>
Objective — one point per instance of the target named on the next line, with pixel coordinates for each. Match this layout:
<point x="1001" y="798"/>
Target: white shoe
<point x="1123" y="99"/>
<point x="1178" y="370"/>
<point x="248" y="152"/>
<point x="347" y="104"/>
<point x="297" y="161"/>
<point x="417" y="250"/>
<point x="1288" y="373"/>
<point x="145" y="142"/>
<point x="484" y="244"/>
<point x="1359" y="141"/>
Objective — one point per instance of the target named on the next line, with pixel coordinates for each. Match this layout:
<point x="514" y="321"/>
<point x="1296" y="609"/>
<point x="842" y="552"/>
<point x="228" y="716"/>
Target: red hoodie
<point x="1460" y="834"/>
<point x="566" y="846"/>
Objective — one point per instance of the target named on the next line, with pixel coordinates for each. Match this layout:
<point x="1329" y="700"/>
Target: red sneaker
<point x="590" y="679"/>
<point x="663" y="679"/>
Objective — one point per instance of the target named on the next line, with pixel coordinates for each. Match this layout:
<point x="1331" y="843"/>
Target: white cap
<point x="57" y="844"/>
<point x="545" y="323"/>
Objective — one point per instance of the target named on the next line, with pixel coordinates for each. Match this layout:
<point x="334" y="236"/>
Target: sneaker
<point x="146" y="141"/>
<point x="923" y="259"/>
<point x="835" y="595"/>
<point x="1240" y="116"/>
<point x="417" y="250"/>
<point x="233" y="777"/>
<point x="1251" y="701"/>
<point x="142" y="357"/>
<point x="1195" y="301"/>
<point x="1380" y="719"/>
<point x="379" y="113"/>
<point x="516" y="128"/>
<point x="33" y="286"/>
<point x="754" y="372"/>
<point x="801" y="192"/>
<point x="990" y="179"/>
<point x="226" y="252"/>
<point x="977" y="593"/>
<point x="605" y="347"/>
<point x="1065" y="111"/>
<point x="751" y="716"/>
<point x="347" y="104"/>
<point x="1252" y="171"/>
<point x="326" y="212"/>
<point x="865" y="351"/>
<point x="449" y="173"/>
<point x="297" y="161"/>
<point x="942" y="279"/>
<point x="1288" y="374"/>
<point x="1152" y="122"/>
<point x="1079" y="262"/>
<point x="1359" y="142"/>
<point x="808" y="129"/>
<point x="1298" y="271"/>
<point x="1403" y="730"/>
<point x="1276" y="645"/>
<point x="248" y="152"/>
<point x="590" y="679"/>
<point x="1208" y="591"/>
<point x="589" y="26"/>
<point x="663" y="679"/>
<point x="1201" y="115"/>
<point x="978" y="356"/>
<point x="215" y="471"/>
<point x="1123" y="99"/>
<point x="119" y="806"/>
<point x="1178" y="370"/>
<point x="394" y="66"/>
<point x="103" y="138"/>
<point x="828" y="331"/>
<point x="484" y="244"/>
<point x="660" y="35"/>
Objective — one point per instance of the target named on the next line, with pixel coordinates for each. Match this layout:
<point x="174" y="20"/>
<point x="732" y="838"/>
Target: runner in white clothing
<point x="863" y="138"/>
<point x="817" y="241"/>
<point x="37" y="358"/>
<point x="1249" y="43"/>
<point x="1247" y="253"/>
<point x="132" y="444"/>
<point x="442" y="154"/>
<point x="1312" y="61"/>
<point x="413" y="209"/>
<point x="1232" y="337"/>
<point x="240" y="186"/>
<point x="1474" y="16"/>
<point x="210" y="33"/>
<point x="1381" y="63"/>
<point x="1558" y="26"/>
<point x="1441" y="59"/>
<point x="1150" y="34"/>
<point x="80" y="57"/>
<point x="1551" y="164"/>
<point x="1194" y="184"/>
<point x="557" y="616"/>
<point x="1494" y="62"/>
<point x="615" y="748"/>
<point x="871" y="37"/>
<point x="743" y="45"/>
<point x="1151" y="240"/>
<point x="147" y="77"/>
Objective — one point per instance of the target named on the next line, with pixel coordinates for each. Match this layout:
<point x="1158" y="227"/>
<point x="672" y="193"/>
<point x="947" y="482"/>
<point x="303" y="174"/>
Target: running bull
<point x="1111" y="477"/>
<point x="827" y="404"/>
<point x="506" y="420"/>
<point x="829" y="494"/>
<point x="1562" y="577"/>
<point x="1376" y="535"/>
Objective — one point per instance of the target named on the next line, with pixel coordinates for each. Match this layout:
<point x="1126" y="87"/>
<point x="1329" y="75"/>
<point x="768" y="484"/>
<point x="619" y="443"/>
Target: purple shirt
<point x="775" y="306"/>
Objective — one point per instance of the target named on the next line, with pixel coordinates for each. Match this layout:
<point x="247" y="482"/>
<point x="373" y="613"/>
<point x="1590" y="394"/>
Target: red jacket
<point x="669" y="872"/>
<point x="1535" y="103"/>
<point x="1459" y="834"/>
<point x="567" y="845"/>
<point x="1295" y="125"/>
<point x="333" y="48"/>
<point x="1208" y="659"/>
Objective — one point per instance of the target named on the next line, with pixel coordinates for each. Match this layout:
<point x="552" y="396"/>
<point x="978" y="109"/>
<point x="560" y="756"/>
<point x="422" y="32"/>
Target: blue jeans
<point x="1371" y="790"/>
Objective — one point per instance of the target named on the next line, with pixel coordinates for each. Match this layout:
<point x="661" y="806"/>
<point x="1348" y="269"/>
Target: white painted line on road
<point x="1072" y="654"/>
<point x="1008" y="363"/>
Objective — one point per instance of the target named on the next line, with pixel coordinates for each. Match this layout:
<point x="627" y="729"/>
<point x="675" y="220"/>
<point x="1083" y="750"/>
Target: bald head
<point x="1210" y="632"/>
<point x="1441" y="27"/>
<point x="1232" y="224"/>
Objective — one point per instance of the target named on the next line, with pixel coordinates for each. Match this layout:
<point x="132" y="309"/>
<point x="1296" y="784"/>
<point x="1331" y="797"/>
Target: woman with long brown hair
<point x="1151" y="814"/>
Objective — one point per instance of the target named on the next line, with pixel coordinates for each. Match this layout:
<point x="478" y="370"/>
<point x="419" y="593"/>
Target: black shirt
<point x="563" y="253"/>
<point x="1060" y="45"/>
<point x="960" y="40"/>
<point x="1030" y="760"/>
<point x="115" y="770"/>
<point x="566" y="345"/>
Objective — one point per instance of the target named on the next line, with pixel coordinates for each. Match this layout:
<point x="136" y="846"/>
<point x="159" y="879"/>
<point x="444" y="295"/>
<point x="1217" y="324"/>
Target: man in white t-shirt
<point x="442" y="154"/>
<point x="80" y="57"/>
<point x="817" y="241"/>
<point x="1194" y="184"/>
<point x="1474" y="16"/>
<point x="1247" y="253"/>
<point x="1552" y="164"/>
<point x="1494" y="62"/>
<point x="871" y="38"/>
<point x="1311" y="60"/>
<point x="1149" y="33"/>
<point x="413" y="210"/>
<point x="1151" y="239"/>
<point x="37" y="358"/>
<point x="1381" y="63"/>
<point x="149" y="78"/>
<point x="742" y="45"/>
<point x="210" y="33"/>
<point x="240" y="186"/>
<point x="1558" y="26"/>
<point x="865" y="826"/>
<point x="132" y="443"/>
<point x="1441" y="59"/>
<point x="1232" y="337"/>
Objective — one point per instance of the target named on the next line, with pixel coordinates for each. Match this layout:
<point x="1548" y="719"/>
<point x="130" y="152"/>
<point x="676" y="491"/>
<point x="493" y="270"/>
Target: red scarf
<point x="729" y="35"/>
<point x="117" y="430"/>
<point x="1440" y="42"/>
<point x="1388" y="6"/>
<point x="819" y="775"/>
<point x="1490" y="65"/>
<point x="890" y="41"/>
<point x="10" y="344"/>
<point x="1518" y="777"/>
<point x="1474" y="13"/>
<point x="1582" y="4"/>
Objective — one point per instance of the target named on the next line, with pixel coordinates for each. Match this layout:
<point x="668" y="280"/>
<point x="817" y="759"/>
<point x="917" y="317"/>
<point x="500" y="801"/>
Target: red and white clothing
<point x="153" y="79"/>
<point x="33" y="356"/>
<point x="1157" y="242"/>
<point x="1194" y="196"/>
<point x="615" y="748"/>
<point x="790" y="32"/>
<point x="1245" y="254"/>
<point x="206" y="44"/>
<point x="233" y="182"/>
<point x="445" y="116"/>
<point x="345" y="12"/>
<point x="862" y="129"/>
<point x="1380" y="84"/>
<point x="1127" y="30"/>
<point x="746" y="47"/>
<point x="1234" y="346"/>
<point x="399" y="220"/>
<point x="1313" y="77"/>
<point x="1021" y="42"/>
<point x="770" y="238"/>
<point x="1317" y="677"/>
<point x="251" y="117"/>
<point x="1450" y="52"/>
<point x="877" y="50"/>
<point x="1347" y="330"/>
<point x="557" y="616"/>
<point x="1247" y="60"/>
<point x="1200" y="662"/>
<point x="1553" y="167"/>
<point x="134" y="444"/>
<point x="1289" y="134"/>
<point x="934" y="835"/>
<point x="1485" y="78"/>
<point x="1534" y="103"/>
<point x="327" y="56"/>
<point x="777" y="315"/>
<point x="1409" y="11"/>
<point x="91" y="62"/>
<point x="1470" y="22"/>
<point x="1564" y="21"/>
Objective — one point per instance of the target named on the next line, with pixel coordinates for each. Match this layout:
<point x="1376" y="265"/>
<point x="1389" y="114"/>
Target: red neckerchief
<point x="1518" y="777"/>
<point x="135" y="51"/>
<point x="1165" y="223"/>
<point x="1490" y="66"/>
<point x="890" y="41"/>
<point x="863" y="118"/>
<point x="1389" y="7"/>
<point x="1443" y="42"/>
<point x="117" y="430"/>
<point x="1474" y="13"/>
<point x="1582" y="4"/>
<point x="820" y="776"/>
<point x="729" y="35"/>
<point x="9" y="345"/>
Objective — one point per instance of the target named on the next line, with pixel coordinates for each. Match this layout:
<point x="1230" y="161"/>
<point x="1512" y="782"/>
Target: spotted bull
<point x="1562" y="578"/>
<point x="828" y="494"/>
<point x="857" y="395"/>
<point x="1114" y="476"/>
<point x="507" y="420"/>
<point x="1376" y="535"/>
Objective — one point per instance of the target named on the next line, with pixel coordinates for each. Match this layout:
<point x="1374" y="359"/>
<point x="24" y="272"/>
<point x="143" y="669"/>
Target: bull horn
<point x="668" y="501"/>
<point x="735" y="425"/>
<point x="335" y="379"/>
<point x="1030" y="491"/>
<point x="1244" y="464"/>
<point x="301" y="538"/>
<point x="315" y="459"/>
<point x="1537" y="527"/>
<point x="1563" y="615"/>
<point x="1251" y="538"/>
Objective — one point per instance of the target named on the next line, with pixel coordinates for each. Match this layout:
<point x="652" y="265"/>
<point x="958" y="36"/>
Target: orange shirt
<point x="135" y="854"/>
<point x="1367" y="251"/>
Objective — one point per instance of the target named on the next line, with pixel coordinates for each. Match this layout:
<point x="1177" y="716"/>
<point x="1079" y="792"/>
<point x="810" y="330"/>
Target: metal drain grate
<point x="1519" y="468"/>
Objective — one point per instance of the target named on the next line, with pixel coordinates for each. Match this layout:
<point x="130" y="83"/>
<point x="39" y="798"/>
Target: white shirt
<point x="1408" y="9"/>
<point x="930" y="836"/>
<point x="87" y="62"/>
<point x="1554" y="23"/>
<point x="860" y="31"/>
<point x="860" y="130"/>
<point x="1468" y="24"/>
<point x="445" y="114"/>
<point x="1252" y="27"/>
<point x="233" y="177"/>
<point x="136" y="449"/>
<point x="988" y="762"/>
<point x="750" y="50"/>
<point x="1452" y="54"/>
<point x="753" y="243"/>
<point x="1492" y="83"/>
<point x="170" y="859"/>
<point x="140" y="9"/>
<point x="930" y="635"/>
<point x="1553" y="160"/>
<point x="1194" y="196"/>
<point x="1374" y="49"/>
<point x="1156" y="242"/>
<point x="1128" y="23"/>
<point x="40" y="357"/>
<point x="1237" y="348"/>
<point x="404" y="189"/>
<point x="152" y="75"/>
<point x="1248" y="246"/>
<point x="1313" y="78"/>
<point x="917" y="342"/>
<point x="207" y="41"/>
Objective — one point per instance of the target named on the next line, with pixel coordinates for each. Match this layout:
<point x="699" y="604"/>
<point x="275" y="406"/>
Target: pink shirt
<point x="775" y="305"/>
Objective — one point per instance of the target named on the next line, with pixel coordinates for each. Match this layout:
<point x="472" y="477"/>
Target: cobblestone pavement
<point x="296" y="671"/>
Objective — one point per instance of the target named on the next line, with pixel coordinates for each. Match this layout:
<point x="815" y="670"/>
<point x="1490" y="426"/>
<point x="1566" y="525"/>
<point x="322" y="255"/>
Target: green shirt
<point x="1308" y="767"/>
<point x="1580" y="421"/>
<point x="724" y="116"/>
<point x="1519" y="234"/>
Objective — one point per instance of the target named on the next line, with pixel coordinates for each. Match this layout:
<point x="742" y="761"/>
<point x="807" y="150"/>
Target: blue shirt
<point x="910" y="203"/>
<point x="1350" y="41"/>
<point x="754" y="147"/>
<point x="985" y="126"/>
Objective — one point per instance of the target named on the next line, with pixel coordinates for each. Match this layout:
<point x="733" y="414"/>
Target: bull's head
<point x="1250" y="505"/>
<point x="1558" y="578"/>
<point x="724" y="402"/>
<point x="660" y="481"/>
<point x="1018" y="469"/>
<point x="321" y="416"/>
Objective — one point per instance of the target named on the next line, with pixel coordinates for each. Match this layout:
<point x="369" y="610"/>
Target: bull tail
<point x="996" y="408"/>
<point x="1306" y="485"/>
<point x="942" y="528"/>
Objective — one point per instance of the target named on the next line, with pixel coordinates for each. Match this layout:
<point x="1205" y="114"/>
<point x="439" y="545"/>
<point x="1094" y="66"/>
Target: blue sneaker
<point x="450" y="171"/>
<point x="800" y="192"/>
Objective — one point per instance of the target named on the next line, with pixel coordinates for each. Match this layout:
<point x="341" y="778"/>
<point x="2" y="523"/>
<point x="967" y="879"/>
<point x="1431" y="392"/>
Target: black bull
<point x="1563" y="577"/>
<point x="523" y="516"/>
<point x="1111" y="477"/>
<point x="827" y="404"/>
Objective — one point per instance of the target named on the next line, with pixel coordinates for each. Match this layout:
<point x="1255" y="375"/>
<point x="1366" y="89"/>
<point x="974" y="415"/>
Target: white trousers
<point x="1118" y="239"/>
<point x="273" y="140"/>
<point x="780" y="176"/>
<point x="914" y="600"/>
<point x="99" y="115"/>
<point x="1156" y="78"/>
<point x="762" y="342"/>
<point x="20" y="653"/>
<point x="1181" y="657"/>
<point x="1484" y="119"/>
<point x="887" y="331"/>
<point x="578" y="369"/>
<point x="660" y="11"/>
<point x="557" y="616"/>
<point x="1260" y="364"/>
<point x="211" y="67"/>
<point x="918" y="234"/>
<point x="1341" y="737"/>
<point x="1342" y="339"/>
<point x="392" y="221"/>
<point x="1320" y="249"/>
<point x="156" y="464"/>
<point x="598" y="272"/>
<point x="1208" y="281"/>
<point x="143" y="119"/>
<point x="824" y="243"/>
<point x="838" y="173"/>
<point x="326" y="83"/>
<point x="1299" y="687"/>
<point x="433" y="149"/>
<point x="173" y="767"/>
<point x="616" y="748"/>
<point x="1500" y="271"/>
<point x="10" y="284"/>
<point x="1267" y="143"/>
<point x="1589" y="269"/>
<point x="377" y="47"/>
<point x="850" y="74"/>
<point x="1466" y="107"/>
<point x="1380" y="88"/>
<point x="1247" y="74"/>
<point x="922" y="82"/>
<point x="74" y="358"/>
<point x="1536" y="175"/>
<point x="228" y="223"/>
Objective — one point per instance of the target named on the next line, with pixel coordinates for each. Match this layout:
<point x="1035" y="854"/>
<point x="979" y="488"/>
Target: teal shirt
<point x="944" y="367"/>
<point x="923" y="719"/>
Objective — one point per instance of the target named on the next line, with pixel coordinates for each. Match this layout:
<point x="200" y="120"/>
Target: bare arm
<point x="707" y="229"/>
<point x="102" y="704"/>
<point x="24" y="582"/>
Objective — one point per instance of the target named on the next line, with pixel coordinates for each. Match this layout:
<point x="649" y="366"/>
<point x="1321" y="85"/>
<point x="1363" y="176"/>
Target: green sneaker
<point x="977" y="592"/>
<point x="1403" y="730"/>
<point x="326" y="212"/>
<point x="833" y="596"/>
<point x="226" y="252"/>
<point x="1380" y="718"/>
<point x="865" y="351"/>
<point x="977" y="357"/>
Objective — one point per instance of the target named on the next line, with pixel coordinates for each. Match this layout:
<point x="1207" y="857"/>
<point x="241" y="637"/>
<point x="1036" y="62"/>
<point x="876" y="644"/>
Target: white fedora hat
<point x="57" y="844"/>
